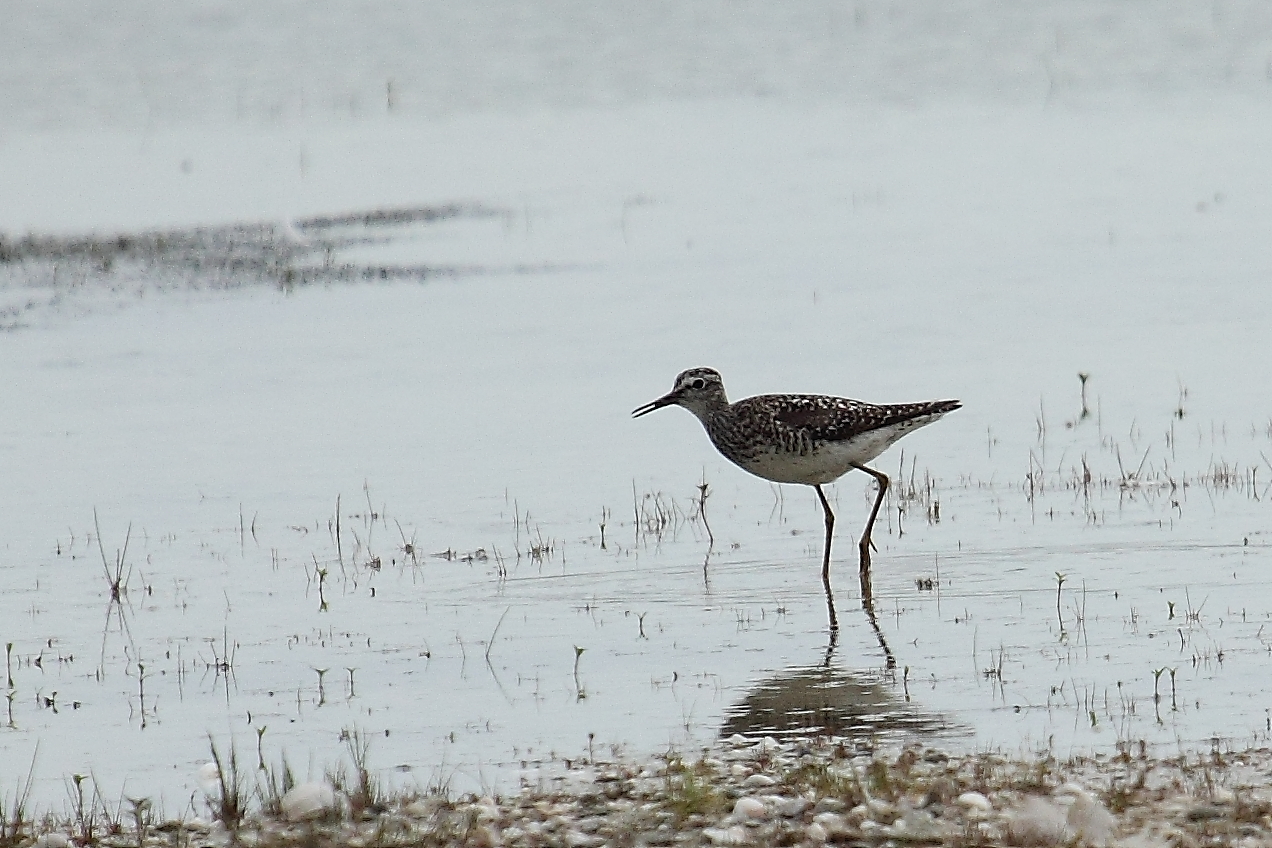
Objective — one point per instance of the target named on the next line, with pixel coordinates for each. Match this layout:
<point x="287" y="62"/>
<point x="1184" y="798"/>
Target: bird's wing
<point x="837" y="419"/>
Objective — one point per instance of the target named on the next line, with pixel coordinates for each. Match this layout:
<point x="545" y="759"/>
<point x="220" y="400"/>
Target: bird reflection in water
<point x="824" y="701"/>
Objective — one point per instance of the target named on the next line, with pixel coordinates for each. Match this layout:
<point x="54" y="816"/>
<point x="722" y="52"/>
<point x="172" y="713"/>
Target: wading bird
<point x="809" y="439"/>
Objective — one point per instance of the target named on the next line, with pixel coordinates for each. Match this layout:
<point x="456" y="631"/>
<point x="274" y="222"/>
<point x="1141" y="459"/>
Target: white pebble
<point x="975" y="801"/>
<point x="917" y="826"/>
<point x="1090" y="821"/>
<point x="792" y="807"/>
<point x="308" y="801"/>
<point x="208" y="778"/>
<point x="757" y="781"/>
<point x="735" y="835"/>
<point x="1038" y="821"/>
<point x="575" y="839"/>
<point x="833" y="823"/>
<point x="486" y="808"/>
<point x="881" y="809"/>
<point x="829" y="805"/>
<point x="749" y="808"/>
<point x="419" y="809"/>
<point x="483" y="836"/>
<point x="816" y="833"/>
<point x="52" y="840"/>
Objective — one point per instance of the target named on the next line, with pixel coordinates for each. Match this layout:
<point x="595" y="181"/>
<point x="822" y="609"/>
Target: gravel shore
<point x="748" y="792"/>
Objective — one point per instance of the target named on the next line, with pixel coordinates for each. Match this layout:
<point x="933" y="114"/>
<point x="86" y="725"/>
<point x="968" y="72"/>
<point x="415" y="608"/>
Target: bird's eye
<point x="698" y="383"/>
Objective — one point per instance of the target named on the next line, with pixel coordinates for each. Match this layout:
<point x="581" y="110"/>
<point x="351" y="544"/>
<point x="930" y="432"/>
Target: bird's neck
<point x="707" y="408"/>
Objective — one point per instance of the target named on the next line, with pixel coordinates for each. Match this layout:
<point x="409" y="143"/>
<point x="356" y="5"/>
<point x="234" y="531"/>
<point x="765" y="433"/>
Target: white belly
<point x="830" y="460"/>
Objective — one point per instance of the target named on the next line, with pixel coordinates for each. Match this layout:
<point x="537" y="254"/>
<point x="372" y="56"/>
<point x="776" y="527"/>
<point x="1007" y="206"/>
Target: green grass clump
<point x="690" y="790"/>
<point x="826" y="780"/>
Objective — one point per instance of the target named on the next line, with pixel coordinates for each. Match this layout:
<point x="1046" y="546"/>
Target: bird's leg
<point x="866" y="541"/>
<point x="834" y="619"/>
<point x="830" y="528"/>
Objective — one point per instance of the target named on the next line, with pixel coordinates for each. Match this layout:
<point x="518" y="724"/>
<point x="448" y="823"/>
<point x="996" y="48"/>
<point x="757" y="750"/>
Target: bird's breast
<point x="793" y="458"/>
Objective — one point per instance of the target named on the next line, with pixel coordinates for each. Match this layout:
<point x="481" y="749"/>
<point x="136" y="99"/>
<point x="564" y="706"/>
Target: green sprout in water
<point x="579" y="692"/>
<point x="1060" y="578"/>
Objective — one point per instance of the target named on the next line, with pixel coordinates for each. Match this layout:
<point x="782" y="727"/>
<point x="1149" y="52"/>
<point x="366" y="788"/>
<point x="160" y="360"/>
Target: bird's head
<point x="699" y="390"/>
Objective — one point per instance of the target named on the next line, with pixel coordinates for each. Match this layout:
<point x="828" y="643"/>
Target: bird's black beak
<point x="666" y="400"/>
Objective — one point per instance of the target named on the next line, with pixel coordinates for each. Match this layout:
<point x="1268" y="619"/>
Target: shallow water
<point x="475" y="407"/>
<point x="222" y="427"/>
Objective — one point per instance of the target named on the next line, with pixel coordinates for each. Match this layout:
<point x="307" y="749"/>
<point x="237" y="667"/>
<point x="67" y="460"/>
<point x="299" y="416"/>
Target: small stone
<point x="1090" y="821"/>
<point x="829" y="805"/>
<point x="577" y="839"/>
<point x="917" y="826"/>
<point x="832" y="823"/>
<point x="420" y="808"/>
<point x="309" y="801"/>
<point x="793" y="807"/>
<point x="975" y="801"/>
<point x="1148" y="837"/>
<point x="816" y="833"/>
<point x="487" y="810"/>
<point x="1038" y="821"/>
<point x="657" y="837"/>
<point x="483" y="836"/>
<point x="735" y="835"/>
<point x="880" y="809"/>
<point x="759" y="781"/>
<point x="52" y="840"/>
<point x="942" y="790"/>
<point x="208" y="776"/>
<point x="1205" y="812"/>
<point x="750" y="808"/>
